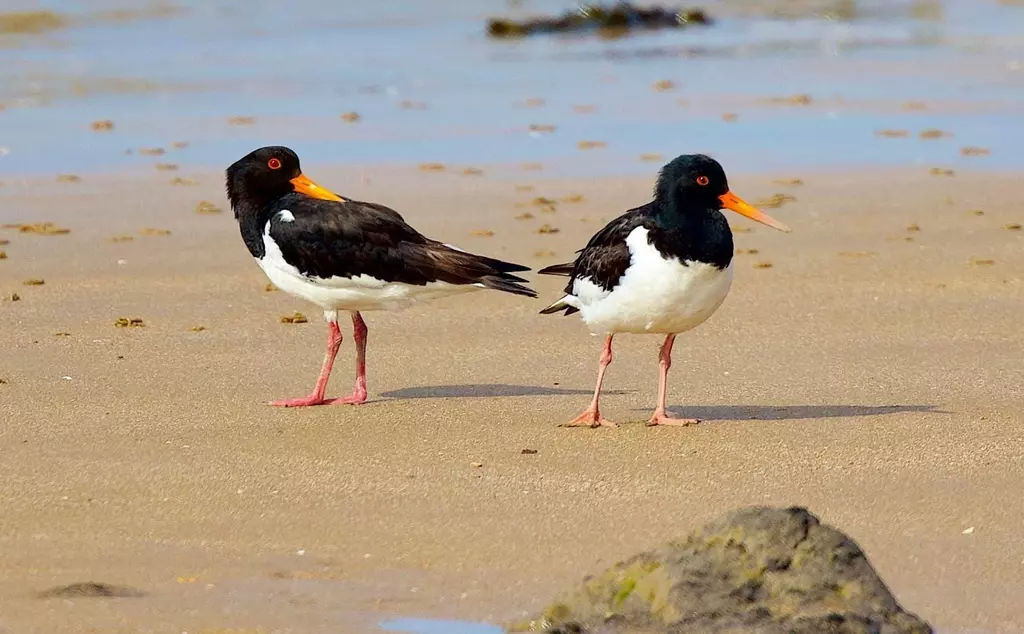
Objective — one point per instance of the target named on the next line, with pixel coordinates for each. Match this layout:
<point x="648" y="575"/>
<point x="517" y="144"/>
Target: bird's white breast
<point x="655" y="295"/>
<point x="360" y="292"/>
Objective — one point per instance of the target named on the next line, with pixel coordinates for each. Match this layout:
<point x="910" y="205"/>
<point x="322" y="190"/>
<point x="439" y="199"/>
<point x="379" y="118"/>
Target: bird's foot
<point x="357" y="397"/>
<point x="305" y="401"/>
<point x="590" y="418"/>
<point x="660" y="418"/>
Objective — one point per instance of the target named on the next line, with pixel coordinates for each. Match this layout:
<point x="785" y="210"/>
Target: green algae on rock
<point x="760" y="569"/>
<point x="620" y="17"/>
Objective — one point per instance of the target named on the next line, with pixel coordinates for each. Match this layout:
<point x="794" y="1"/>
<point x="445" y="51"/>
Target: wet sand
<point x="873" y="374"/>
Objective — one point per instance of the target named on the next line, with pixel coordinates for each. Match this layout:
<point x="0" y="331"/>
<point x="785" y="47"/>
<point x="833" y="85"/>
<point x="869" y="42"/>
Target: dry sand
<point x="876" y="380"/>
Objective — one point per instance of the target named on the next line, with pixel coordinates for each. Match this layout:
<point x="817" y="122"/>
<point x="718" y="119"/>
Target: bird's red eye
<point x="702" y="180"/>
<point x="274" y="164"/>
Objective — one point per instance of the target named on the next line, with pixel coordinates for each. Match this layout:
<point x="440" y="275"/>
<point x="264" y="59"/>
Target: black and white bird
<point x="662" y="268"/>
<point x="345" y="254"/>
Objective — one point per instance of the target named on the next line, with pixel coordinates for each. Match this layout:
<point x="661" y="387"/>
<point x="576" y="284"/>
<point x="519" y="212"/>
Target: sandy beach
<point x="872" y="373"/>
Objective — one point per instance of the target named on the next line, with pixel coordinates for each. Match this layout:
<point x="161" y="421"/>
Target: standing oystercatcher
<point x="662" y="268"/>
<point x="346" y="255"/>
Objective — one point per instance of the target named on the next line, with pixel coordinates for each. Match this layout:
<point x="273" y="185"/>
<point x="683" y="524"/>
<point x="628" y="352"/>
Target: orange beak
<point x="305" y="186"/>
<point x="735" y="203"/>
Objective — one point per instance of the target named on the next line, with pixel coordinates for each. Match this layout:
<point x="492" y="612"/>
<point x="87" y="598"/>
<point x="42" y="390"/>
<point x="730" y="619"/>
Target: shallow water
<point x="436" y="626"/>
<point x="177" y="75"/>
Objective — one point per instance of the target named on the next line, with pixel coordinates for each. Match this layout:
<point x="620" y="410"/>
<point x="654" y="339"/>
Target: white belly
<point x="362" y="292"/>
<point x="656" y="295"/>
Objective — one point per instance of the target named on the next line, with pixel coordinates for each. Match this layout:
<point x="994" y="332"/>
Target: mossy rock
<point x="764" y="570"/>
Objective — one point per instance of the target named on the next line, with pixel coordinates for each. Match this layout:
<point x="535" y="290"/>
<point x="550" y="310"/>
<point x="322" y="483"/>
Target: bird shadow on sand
<point x="793" y="412"/>
<point x="485" y="390"/>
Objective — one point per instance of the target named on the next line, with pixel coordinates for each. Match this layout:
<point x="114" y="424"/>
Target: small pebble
<point x="13" y="297"/>
<point x="269" y="288"/>
<point x="476" y="465"/>
<point x="528" y="452"/>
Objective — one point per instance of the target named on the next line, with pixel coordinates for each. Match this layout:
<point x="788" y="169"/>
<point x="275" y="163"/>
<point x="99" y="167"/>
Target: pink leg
<point x="591" y="417"/>
<point x="317" y="397"/>
<point x="665" y="362"/>
<point x="359" y="332"/>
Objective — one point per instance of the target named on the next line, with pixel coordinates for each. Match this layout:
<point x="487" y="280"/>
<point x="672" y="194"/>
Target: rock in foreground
<point x="763" y="570"/>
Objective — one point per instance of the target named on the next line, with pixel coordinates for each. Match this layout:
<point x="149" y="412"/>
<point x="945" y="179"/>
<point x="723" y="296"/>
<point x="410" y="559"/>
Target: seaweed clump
<point x="618" y="18"/>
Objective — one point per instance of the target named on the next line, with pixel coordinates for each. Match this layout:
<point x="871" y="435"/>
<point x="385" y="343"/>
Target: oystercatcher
<point x="343" y="254"/>
<point x="662" y="268"/>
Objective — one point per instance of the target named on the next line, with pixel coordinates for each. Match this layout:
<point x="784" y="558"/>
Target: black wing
<point x="605" y="258"/>
<point x="352" y="238"/>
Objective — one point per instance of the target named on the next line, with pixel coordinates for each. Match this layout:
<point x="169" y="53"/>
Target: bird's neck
<point x="252" y="220"/>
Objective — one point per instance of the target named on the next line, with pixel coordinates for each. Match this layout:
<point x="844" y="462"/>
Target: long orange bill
<point x="735" y="203"/>
<point x="305" y="186"/>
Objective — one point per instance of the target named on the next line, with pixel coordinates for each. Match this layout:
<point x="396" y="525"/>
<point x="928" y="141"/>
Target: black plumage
<point x="683" y="221"/>
<point x="347" y="238"/>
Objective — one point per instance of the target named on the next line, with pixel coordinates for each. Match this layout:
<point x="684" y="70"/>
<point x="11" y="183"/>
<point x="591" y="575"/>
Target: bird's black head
<point x="692" y="180"/>
<point x="696" y="183"/>
<point x="262" y="176"/>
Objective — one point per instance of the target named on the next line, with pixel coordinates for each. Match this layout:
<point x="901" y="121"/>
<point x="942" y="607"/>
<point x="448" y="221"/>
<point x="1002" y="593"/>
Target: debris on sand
<point x="647" y="158"/>
<point x="30" y="22"/>
<point x="789" y="182"/>
<point x="90" y="589"/>
<point x="432" y="167"/>
<point x="152" y="151"/>
<point x="270" y="288"/>
<point x="151" y="231"/>
<point x="617" y="19"/>
<point x="893" y="134"/>
<point x="206" y="207"/>
<point x="129" y="322"/>
<point x="34" y="282"/>
<point x="3" y="254"/>
<point x="934" y="133"/>
<point x="763" y="265"/>
<point x="792" y="100"/>
<point x="482" y="233"/>
<point x="975" y="151"/>
<point x="759" y="569"/>
<point x="663" y="85"/>
<point x="166" y="167"/>
<point x="730" y="117"/>
<point x="105" y="125"/>
<point x="68" y="178"/>
<point x="591" y="145"/>
<point x="350" y="117"/>
<point x="547" y="229"/>
<point x="188" y="182"/>
<point x="40" y="228"/>
<point x="241" y="120"/>
<point x="297" y="318"/>
<point x="940" y="171"/>
<point x="775" y="201"/>
<point x="472" y="171"/>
